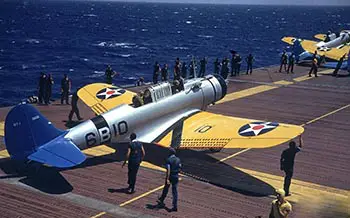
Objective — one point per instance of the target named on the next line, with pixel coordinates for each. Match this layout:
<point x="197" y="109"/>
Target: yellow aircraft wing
<point x="310" y="46"/>
<point x="101" y="97"/>
<point x="332" y="53"/>
<point x="206" y="130"/>
<point x="337" y="53"/>
<point x="288" y="39"/>
<point x="321" y="37"/>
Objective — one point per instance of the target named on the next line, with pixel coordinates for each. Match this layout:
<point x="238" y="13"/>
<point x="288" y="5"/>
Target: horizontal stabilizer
<point x="321" y="37"/>
<point x="288" y="39"/>
<point x="60" y="152"/>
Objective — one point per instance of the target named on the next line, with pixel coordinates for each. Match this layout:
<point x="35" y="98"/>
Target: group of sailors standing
<point x="45" y="89"/>
<point x="182" y="70"/>
<point x="287" y="59"/>
<point x="45" y="92"/>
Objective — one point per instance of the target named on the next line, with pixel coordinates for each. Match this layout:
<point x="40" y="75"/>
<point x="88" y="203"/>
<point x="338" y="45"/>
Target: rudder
<point x="25" y="130"/>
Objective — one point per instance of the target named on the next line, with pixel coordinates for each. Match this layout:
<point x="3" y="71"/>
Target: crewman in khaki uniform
<point x="280" y="207"/>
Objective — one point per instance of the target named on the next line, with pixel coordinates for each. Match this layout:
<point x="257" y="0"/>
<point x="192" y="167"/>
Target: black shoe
<point x="132" y="191"/>
<point x="80" y="118"/>
<point x="174" y="209"/>
<point x="160" y="203"/>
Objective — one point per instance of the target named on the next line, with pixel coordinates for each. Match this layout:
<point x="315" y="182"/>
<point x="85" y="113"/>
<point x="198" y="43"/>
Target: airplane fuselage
<point x="117" y="124"/>
<point x="339" y="41"/>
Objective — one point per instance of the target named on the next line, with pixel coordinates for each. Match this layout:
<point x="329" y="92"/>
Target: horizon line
<point x="209" y="3"/>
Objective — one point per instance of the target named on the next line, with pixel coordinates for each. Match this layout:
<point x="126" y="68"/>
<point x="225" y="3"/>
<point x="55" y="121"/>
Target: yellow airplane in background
<point x="333" y="47"/>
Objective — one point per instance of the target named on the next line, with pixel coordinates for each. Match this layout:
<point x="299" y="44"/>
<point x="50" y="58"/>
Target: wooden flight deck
<point x="229" y="183"/>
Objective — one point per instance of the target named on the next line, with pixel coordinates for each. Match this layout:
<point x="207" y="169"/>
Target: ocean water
<point x="80" y="38"/>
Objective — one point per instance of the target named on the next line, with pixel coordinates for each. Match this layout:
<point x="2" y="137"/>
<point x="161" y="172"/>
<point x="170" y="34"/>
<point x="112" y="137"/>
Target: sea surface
<point x="81" y="38"/>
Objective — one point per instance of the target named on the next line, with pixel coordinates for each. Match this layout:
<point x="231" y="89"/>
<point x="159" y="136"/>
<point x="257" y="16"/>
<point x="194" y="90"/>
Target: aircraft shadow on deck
<point x="42" y="178"/>
<point x="48" y="180"/>
<point x="196" y="164"/>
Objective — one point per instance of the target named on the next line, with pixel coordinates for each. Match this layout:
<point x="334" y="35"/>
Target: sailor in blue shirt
<point x="173" y="167"/>
<point x="287" y="162"/>
<point x="135" y="155"/>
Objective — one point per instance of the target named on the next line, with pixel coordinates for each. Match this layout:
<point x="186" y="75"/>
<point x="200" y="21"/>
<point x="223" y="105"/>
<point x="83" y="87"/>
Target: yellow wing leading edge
<point x="206" y="130"/>
<point x="101" y="97"/>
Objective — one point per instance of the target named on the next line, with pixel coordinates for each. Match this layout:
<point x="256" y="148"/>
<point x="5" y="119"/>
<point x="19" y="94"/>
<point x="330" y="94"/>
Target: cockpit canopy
<point x="157" y="92"/>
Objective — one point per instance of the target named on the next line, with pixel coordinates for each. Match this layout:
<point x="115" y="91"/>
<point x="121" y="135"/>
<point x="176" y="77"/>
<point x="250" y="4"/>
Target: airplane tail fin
<point x="297" y="49"/>
<point x="29" y="135"/>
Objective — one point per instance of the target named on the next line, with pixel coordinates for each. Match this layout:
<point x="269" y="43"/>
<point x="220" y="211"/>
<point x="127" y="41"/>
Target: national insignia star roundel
<point x="256" y="128"/>
<point x="108" y="93"/>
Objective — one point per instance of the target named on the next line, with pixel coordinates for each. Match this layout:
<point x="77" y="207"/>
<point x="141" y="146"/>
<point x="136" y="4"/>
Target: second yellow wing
<point x="101" y="97"/>
<point x="206" y="130"/>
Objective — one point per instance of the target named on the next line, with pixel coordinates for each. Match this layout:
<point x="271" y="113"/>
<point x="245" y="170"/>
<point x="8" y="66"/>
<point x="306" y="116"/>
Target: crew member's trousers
<point x="132" y="172"/>
<point x="287" y="180"/>
<point x="64" y="96"/>
<point x="174" y="180"/>
<point x="76" y="111"/>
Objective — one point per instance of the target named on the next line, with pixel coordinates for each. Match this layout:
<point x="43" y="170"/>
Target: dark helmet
<point x="292" y="144"/>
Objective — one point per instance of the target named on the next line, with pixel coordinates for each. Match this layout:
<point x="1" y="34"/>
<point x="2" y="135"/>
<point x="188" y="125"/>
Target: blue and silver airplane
<point x="171" y="118"/>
